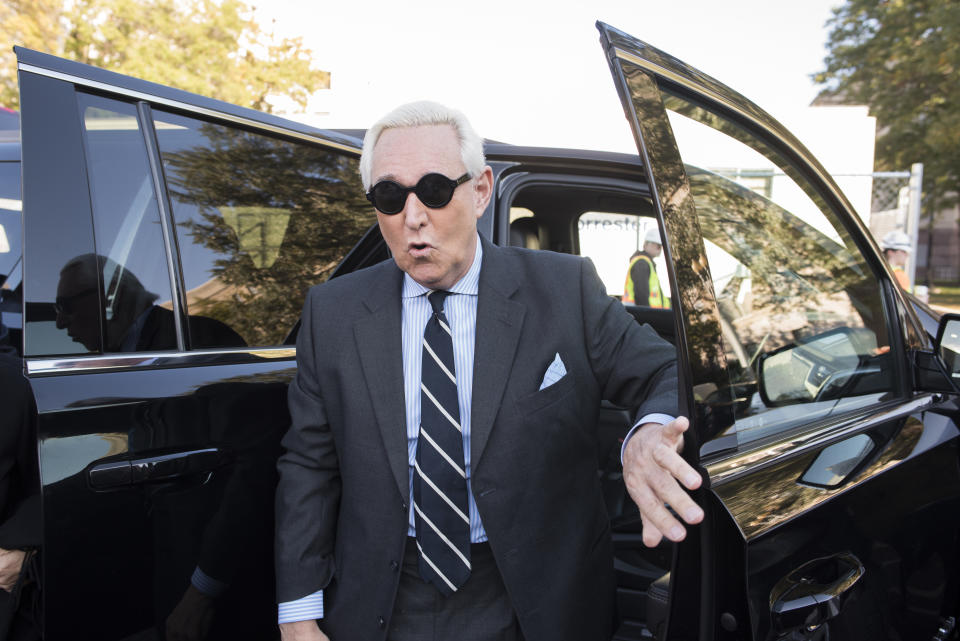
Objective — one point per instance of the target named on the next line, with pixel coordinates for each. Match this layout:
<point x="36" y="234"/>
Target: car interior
<point x="546" y="214"/>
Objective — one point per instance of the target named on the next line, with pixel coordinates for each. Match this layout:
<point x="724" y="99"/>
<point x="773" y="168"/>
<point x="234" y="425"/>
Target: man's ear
<point x="482" y="191"/>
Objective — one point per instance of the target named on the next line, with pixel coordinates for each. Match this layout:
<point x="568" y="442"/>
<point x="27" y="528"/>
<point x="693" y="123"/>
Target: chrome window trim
<point x="176" y="104"/>
<point x="738" y="464"/>
<point x="151" y="360"/>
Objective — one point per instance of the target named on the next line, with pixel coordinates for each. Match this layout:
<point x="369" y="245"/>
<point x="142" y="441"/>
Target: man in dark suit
<point x="388" y="527"/>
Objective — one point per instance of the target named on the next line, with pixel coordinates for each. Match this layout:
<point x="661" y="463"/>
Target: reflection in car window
<point x="258" y="220"/>
<point x="801" y="311"/>
<point x="9" y="217"/>
<point x="10" y="254"/>
<point x="126" y="284"/>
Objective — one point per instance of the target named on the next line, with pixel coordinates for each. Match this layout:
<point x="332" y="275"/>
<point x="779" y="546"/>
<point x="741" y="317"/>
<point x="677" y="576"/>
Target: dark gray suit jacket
<point x="342" y="500"/>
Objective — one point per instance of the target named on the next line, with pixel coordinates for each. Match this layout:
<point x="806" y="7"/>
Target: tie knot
<point x="436" y="298"/>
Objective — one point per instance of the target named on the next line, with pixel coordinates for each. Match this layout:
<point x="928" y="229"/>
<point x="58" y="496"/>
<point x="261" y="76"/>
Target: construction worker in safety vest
<point x="643" y="285"/>
<point x="896" y="249"/>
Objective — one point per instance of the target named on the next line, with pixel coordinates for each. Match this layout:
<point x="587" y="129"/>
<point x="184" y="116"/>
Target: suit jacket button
<point x="403" y="506"/>
<point x="381" y="622"/>
<point x="394" y="566"/>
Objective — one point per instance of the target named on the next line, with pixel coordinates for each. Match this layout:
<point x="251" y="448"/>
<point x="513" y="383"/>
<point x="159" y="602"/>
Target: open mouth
<point x="420" y="249"/>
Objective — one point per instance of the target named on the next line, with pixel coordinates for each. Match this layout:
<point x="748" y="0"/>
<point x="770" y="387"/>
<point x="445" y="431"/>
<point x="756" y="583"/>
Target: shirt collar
<point x="469" y="284"/>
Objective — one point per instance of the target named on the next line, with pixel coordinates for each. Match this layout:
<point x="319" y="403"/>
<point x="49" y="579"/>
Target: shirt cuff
<point x="207" y="584"/>
<point x="663" y="419"/>
<point x="308" y="608"/>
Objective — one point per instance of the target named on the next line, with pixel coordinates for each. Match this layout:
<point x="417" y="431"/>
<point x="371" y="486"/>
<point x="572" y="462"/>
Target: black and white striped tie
<point x="440" y="480"/>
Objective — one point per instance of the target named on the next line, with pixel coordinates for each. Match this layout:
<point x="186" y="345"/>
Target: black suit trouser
<point x="479" y="611"/>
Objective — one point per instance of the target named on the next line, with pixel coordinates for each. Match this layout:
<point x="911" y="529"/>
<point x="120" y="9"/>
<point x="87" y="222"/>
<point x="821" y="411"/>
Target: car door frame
<point x="713" y="555"/>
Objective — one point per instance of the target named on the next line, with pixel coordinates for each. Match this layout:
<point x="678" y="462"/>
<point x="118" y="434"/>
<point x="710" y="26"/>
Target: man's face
<point x="78" y="306"/>
<point x="652" y="249"/>
<point x="897" y="257"/>
<point x="434" y="246"/>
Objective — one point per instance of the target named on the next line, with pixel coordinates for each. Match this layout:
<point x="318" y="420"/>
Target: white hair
<point x="418" y="114"/>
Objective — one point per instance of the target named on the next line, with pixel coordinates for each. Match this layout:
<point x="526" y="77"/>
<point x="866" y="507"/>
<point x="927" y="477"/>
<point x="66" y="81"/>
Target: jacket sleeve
<point x="308" y="493"/>
<point x="635" y="368"/>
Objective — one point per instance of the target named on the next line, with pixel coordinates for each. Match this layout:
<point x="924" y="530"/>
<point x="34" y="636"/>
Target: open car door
<point x="833" y="483"/>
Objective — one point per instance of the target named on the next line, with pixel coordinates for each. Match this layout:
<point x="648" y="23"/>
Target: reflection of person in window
<point x="132" y="321"/>
<point x="643" y="284"/>
<point x="896" y="249"/>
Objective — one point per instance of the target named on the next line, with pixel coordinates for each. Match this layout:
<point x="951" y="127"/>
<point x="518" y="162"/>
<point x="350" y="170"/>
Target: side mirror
<point x="939" y="370"/>
<point x="819" y="368"/>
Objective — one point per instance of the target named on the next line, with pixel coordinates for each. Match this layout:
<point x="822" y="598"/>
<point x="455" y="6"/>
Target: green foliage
<point x="902" y="57"/>
<point x="209" y="47"/>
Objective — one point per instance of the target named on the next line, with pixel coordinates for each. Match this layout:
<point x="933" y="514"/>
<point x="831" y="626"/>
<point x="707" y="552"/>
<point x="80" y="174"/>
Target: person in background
<point x="643" y="284"/>
<point x="896" y="249"/>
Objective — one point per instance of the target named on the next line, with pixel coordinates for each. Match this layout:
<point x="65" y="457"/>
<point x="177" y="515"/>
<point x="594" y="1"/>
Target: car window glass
<point x="129" y="269"/>
<point x="258" y="221"/>
<point x="802" y="317"/>
<point x="10" y="270"/>
<point x="613" y="242"/>
<point x="9" y="217"/>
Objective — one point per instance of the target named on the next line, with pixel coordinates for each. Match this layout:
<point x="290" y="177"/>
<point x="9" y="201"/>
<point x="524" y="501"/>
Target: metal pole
<point x="913" y="218"/>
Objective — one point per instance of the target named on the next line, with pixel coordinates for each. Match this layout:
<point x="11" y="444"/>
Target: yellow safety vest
<point x="657" y="298"/>
<point x="902" y="279"/>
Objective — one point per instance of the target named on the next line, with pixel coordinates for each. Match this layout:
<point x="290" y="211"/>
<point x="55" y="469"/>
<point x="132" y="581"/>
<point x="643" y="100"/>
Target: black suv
<point x="168" y="242"/>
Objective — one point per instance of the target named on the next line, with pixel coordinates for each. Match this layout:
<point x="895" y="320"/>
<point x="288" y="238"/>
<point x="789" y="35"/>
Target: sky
<point x="532" y="71"/>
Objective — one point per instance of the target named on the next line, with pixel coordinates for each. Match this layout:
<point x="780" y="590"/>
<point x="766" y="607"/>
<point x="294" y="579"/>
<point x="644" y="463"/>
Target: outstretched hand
<point x="653" y="471"/>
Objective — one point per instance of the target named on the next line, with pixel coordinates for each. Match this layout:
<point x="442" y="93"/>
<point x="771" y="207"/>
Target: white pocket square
<point x="554" y="373"/>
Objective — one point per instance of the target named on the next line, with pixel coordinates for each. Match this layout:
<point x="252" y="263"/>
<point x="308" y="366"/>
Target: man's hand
<point x="191" y="619"/>
<point x="652" y="467"/>
<point x="10" y="563"/>
<point x="302" y="631"/>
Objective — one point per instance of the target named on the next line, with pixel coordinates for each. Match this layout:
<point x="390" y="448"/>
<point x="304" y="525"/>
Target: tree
<point x="210" y="47"/>
<point x="901" y="58"/>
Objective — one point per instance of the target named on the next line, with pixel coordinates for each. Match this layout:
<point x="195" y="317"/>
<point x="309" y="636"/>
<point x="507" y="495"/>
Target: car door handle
<point x="159" y="467"/>
<point x="815" y="592"/>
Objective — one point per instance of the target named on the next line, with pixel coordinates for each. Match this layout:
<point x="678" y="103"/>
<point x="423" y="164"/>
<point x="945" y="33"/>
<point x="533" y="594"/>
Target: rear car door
<point x="833" y="477"/>
<point x="169" y="242"/>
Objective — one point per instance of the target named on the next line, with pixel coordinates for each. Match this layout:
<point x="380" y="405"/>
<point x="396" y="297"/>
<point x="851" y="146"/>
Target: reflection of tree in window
<point x="802" y="283"/>
<point x="278" y="216"/>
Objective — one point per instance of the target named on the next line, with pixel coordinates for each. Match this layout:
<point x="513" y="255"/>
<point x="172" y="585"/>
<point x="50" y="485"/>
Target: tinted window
<point x="258" y="221"/>
<point x="802" y="318"/>
<point x="10" y="239"/>
<point x="9" y="217"/>
<point x="129" y="269"/>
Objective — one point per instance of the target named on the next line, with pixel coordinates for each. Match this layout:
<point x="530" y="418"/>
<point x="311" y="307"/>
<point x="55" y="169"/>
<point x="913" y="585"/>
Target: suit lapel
<point x="499" y="321"/>
<point x="379" y="342"/>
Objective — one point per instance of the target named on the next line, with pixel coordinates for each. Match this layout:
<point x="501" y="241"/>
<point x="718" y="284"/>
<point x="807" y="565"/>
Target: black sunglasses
<point x="433" y="190"/>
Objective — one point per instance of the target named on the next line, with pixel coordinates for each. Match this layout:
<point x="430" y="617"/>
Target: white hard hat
<point x="895" y="240"/>
<point x="652" y="236"/>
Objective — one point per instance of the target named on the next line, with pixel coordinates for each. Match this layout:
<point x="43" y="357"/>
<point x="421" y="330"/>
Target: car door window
<point x="612" y="241"/>
<point x="802" y="317"/>
<point x="258" y="220"/>
<point x="10" y="253"/>
<point x="125" y="285"/>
